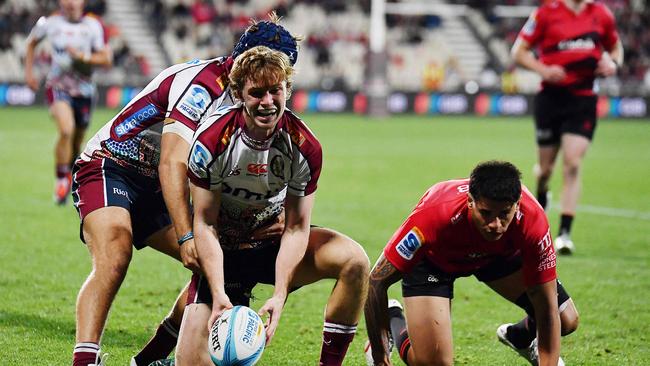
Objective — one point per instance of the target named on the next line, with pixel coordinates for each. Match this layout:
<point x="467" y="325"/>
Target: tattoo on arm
<point x="383" y="270"/>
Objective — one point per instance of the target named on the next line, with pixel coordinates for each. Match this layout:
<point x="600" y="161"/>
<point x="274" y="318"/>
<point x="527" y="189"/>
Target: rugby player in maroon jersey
<point x="489" y="226"/>
<point x="130" y="185"/>
<point x="576" y="42"/>
<point x="248" y="164"/>
<point x="78" y="44"/>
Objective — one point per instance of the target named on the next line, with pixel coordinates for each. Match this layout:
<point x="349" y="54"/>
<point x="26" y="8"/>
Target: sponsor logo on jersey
<point x="195" y="102"/>
<point x="121" y="192"/>
<point x="545" y="243"/>
<point x="136" y="119"/>
<point x="257" y="169"/>
<point x="277" y="166"/>
<point x="200" y="157"/>
<point x="410" y="243"/>
<point x="248" y="194"/>
<point x="576" y="44"/>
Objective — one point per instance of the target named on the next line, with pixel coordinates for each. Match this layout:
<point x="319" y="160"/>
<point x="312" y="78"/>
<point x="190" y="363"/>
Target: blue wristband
<point x="186" y="237"/>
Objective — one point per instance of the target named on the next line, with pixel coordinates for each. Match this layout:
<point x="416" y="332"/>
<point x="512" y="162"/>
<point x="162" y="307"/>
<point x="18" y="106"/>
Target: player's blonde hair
<point x="262" y="65"/>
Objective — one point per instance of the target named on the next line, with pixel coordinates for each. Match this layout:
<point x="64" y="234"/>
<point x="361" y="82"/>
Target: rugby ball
<point x="237" y="338"/>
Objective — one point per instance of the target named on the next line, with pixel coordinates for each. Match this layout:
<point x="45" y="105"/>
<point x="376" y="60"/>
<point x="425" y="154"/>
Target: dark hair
<point x="495" y="180"/>
<point x="271" y="34"/>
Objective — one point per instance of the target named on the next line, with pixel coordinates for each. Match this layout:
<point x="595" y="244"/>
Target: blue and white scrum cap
<point x="271" y="35"/>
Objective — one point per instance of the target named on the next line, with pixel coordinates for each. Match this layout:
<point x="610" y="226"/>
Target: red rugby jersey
<point x="440" y="230"/>
<point x="572" y="40"/>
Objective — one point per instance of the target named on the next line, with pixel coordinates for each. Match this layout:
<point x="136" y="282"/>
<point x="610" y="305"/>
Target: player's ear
<point x="470" y="200"/>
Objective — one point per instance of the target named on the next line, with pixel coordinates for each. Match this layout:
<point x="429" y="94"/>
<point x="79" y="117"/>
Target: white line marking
<point x="609" y="211"/>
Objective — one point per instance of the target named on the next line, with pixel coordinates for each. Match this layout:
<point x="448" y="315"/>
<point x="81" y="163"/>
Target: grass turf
<point x="374" y="172"/>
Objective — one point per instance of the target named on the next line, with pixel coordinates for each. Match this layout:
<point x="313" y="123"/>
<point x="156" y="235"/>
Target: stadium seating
<point x="422" y="51"/>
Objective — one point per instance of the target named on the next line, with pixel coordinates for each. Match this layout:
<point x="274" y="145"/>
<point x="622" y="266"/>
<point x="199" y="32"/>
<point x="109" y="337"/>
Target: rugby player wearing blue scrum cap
<point x="130" y="187"/>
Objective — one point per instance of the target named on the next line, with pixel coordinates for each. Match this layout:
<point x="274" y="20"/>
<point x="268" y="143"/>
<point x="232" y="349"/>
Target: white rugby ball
<point x="237" y="338"/>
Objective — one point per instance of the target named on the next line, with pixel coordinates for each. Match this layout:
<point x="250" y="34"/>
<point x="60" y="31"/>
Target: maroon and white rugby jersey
<point x="440" y="230"/>
<point x="86" y="35"/>
<point x="184" y="93"/>
<point x="254" y="177"/>
<point x="572" y="40"/>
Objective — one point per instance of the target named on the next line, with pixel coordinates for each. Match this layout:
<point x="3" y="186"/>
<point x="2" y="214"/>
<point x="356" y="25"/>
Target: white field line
<point x="609" y="211"/>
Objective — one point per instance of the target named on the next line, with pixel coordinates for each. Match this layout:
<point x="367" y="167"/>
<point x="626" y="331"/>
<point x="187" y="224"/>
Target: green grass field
<point x="374" y="172"/>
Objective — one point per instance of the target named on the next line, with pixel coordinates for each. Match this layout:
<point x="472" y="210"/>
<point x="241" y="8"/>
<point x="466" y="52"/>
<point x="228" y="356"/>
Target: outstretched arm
<point x="547" y="317"/>
<point x="382" y="276"/>
<point x="293" y="246"/>
<point x="206" y="213"/>
<point x="175" y="187"/>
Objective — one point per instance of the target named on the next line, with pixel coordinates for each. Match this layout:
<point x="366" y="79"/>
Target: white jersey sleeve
<point x="40" y="29"/>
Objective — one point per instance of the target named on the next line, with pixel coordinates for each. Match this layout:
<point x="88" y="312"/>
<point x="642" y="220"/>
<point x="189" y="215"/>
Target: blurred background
<point x="424" y="57"/>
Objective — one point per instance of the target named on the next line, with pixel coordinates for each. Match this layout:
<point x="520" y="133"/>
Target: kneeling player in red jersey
<point x="248" y="164"/>
<point x="489" y="226"/>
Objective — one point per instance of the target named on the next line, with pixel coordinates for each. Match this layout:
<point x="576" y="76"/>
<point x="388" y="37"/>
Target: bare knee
<point x="66" y="134"/>
<point x="571" y="169"/>
<point x="112" y="261"/>
<point x="113" y="268"/>
<point x="356" y="269"/>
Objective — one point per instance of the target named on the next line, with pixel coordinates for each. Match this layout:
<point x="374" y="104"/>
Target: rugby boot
<point x="564" y="244"/>
<point x="530" y="353"/>
<point x="62" y="189"/>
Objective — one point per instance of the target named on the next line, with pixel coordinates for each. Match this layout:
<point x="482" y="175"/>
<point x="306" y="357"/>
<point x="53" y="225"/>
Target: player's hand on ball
<point x="553" y="73"/>
<point x="273" y="307"/>
<point x="220" y="303"/>
<point x="189" y="256"/>
<point x="274" y="229"/>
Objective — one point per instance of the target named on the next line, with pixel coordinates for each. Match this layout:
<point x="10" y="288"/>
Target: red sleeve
<point x="406" y="248"/>
<point x="539" y="258"/>
<point x="534" y="27"/>
<point x="610" y="34"/>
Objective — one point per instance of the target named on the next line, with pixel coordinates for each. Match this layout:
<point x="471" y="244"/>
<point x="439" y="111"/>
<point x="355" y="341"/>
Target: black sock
<point x="541" y="198"/>
<point x="565" y="224"/>
<point x="398" y="331"/>
<point x="522" y="333"/>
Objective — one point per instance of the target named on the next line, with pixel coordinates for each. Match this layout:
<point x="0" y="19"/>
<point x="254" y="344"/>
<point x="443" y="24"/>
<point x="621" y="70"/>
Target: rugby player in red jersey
<point x="488" y="226"/>
<point x="248" y="164"/>
<point x="570" y="38"/>
<point x="130" y="184"/>
<point x="78" y="44"/>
